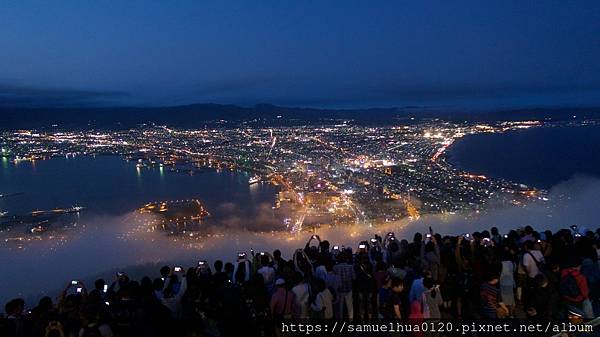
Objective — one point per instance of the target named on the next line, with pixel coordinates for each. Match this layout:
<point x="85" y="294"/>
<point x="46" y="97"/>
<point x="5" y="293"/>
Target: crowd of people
<point x="481" y="275"/>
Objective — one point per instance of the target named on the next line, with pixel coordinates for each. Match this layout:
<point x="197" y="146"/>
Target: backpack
<point x="569" y="287"/>
<point x="541" y="265"/>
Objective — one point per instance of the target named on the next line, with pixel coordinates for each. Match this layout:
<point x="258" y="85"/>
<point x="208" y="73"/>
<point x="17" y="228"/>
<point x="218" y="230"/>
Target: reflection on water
<point x="109" y="233"/>
<point x="105" y="186"/>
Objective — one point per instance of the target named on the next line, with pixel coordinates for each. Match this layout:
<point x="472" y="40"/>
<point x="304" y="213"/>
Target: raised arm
<point x="457" y="255"/>
<point x="182" y="289"/>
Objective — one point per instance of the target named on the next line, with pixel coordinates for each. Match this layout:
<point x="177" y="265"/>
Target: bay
<point x="539" y="157"/>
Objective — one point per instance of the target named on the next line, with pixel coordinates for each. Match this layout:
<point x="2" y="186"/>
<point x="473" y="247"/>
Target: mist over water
<point x="110" y="234"/>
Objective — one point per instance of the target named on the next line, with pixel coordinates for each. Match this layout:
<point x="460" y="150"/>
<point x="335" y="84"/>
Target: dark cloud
<point x="31" y="96"/>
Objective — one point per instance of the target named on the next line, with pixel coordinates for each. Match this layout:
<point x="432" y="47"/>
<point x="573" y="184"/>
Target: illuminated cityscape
<point x="334" y="174"/>
<point x="294" y="168"/>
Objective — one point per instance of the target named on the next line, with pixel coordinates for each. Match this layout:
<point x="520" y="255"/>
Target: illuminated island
<point x="176" y="216"/>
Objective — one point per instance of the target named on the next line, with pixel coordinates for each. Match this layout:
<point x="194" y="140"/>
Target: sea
<point x="539" y="157"/>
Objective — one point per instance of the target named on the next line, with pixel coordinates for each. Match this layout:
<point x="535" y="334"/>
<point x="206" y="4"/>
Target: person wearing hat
<point x="282" y="301"/>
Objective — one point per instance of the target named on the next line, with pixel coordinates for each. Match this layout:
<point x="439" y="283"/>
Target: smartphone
<point x="466" y="235"/>
<point x="177" y="269"/>
<point x="241" y="256"/>
<point x="506" y="236"/>
<point x="362" y="246"/>
<point x="428" y="236"/>
<point x="201" y="263"/>
<point x="105" y="288"/>
<point x="314" y="237"/>
<point x="74" y="282"/>
<point x="373" y="240"/>
<point x="120" y="274"/>
<point x="107" y="303"/>
<point x="336" y="247"/>
<point x="79" y="290"/>
<point x="262" y="253"/>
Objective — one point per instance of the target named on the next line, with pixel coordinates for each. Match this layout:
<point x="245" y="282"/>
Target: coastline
<point x="521" y="155"/>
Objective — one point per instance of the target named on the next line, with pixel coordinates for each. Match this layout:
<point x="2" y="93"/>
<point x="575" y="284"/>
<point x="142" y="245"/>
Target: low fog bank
<point x="110" y="243"/>
<point x="574" y="201"/>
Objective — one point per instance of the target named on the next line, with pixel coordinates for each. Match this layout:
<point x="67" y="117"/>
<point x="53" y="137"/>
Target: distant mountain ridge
<point x="198" y="115"/>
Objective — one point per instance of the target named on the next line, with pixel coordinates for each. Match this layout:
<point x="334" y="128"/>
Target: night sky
<point x="470" y="54"/>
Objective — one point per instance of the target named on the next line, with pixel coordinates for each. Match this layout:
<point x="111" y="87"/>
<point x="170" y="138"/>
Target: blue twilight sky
<point x="301" y="53"/>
